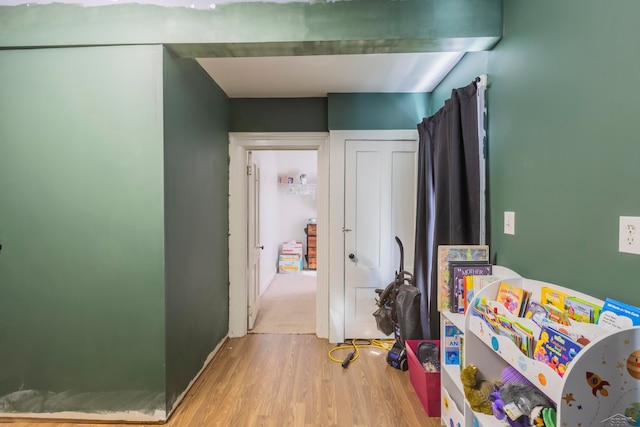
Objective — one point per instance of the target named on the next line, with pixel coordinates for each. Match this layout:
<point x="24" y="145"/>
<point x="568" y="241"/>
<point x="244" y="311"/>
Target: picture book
<point x="618" y="315"/>
<point x="581" y="310"/>
<point x="452" y="350"/>
<point x="451" y="343"/>
<point x="556" y="350"/>
<point x="526" y="338"/>
<point x="474" y="283"/>
<point x="450" y="253"/>
<point x="549" y="295"/>
<point x="582" y="333"/>
<point x="481" y="282"/>
<point x="556" y="315"/>
<point x="536" y="312"/>
<point x="512" y="297"/>
<point x="460" y="271"/>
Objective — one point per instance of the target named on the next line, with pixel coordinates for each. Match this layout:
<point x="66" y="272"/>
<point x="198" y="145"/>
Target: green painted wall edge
<point x="251" y="28"/>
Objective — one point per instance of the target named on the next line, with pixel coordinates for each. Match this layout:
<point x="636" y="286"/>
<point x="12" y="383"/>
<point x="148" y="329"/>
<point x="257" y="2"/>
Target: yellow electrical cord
<point x="356" y="344"/>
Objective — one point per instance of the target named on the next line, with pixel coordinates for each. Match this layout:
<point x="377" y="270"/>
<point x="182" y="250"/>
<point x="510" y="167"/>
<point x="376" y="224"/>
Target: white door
<point x="253" y="241"/>
<point x="380" y="203"/>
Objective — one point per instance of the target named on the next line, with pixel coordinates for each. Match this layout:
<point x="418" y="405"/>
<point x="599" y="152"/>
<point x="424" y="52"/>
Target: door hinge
<point x="249" y="168"/>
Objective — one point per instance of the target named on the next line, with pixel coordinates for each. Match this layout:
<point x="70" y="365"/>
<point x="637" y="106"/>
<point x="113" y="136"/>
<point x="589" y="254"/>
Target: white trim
<point x="482" y="146"/>
<point x="239" y="143"/>
<point x="336" y="216"/>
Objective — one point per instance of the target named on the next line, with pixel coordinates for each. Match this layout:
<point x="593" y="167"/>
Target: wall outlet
<point x="629" y="235"/>
<point x="509" y="223"/>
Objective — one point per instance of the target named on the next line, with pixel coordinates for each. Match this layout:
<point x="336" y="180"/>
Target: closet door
<point x="380" y="193"/>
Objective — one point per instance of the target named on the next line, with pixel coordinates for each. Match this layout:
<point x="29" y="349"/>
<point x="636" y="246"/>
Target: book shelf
<point x="612" y="359"/>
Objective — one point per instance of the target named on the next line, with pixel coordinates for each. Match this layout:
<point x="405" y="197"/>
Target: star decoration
<point x="568" y="398"/>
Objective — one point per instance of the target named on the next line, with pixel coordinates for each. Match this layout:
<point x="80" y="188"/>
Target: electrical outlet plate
<point x="629" y="235"/>
<point x="509" y="223"/>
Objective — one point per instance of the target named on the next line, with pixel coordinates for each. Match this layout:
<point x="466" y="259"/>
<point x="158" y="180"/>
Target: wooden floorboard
<point x="288" y="380"/>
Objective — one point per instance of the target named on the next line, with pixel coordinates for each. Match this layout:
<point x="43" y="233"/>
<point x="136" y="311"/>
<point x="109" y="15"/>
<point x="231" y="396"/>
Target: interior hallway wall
<point x="82" y="213"/>
<point x="196" y="114"/>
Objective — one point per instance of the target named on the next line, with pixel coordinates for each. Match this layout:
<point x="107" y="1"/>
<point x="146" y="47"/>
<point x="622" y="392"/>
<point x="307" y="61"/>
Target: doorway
<point x="286" y="210"/>
<point x="240" y="144"/>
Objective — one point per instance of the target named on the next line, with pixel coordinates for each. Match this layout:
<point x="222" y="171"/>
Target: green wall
<point x="82" y="263"/>
<point x="258" y="28"/>
<point x="278" y="115"/>
<point x="362" y="111"/>
<point x="196" y="115"/>
<point x="563" y="137"/>
<point x="339" y="111"/>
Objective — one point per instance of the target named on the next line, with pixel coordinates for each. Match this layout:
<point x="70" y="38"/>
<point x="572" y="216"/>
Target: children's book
<point x="549" y="295"/>
<point x="556" y="350"/>
<point x="447" y="254"/>
<point x="459" y="271"/>
<point x="451" y="343"/>
<point x="481" y="282"/>
<point x="526" y="338"/>
<point x="618" y="315"/>
<point x="581" y="310"/>
<point x="556" y="315"/>
<point x="536" y="312"/>
<point x="512" y="297"/>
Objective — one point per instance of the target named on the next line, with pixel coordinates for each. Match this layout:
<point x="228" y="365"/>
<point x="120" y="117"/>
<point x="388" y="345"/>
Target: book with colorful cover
<point x="447" y="254"/>
<point x="451" y="343"/>
<point x="556" y="315"/>
<point x="556" y="350"/>
<point x="459" y="271"/>
<point x="526" y="338"/>
<point x="512" y="297"/>
<point x="452" y="350"/>
<point x="581" y="310"/>
<point x="549" y="295"/>
<point x="618" y="315"/>
<point x="536" y="312"/>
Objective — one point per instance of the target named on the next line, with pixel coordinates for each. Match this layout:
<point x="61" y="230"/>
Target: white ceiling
<point x="316" y="76"/>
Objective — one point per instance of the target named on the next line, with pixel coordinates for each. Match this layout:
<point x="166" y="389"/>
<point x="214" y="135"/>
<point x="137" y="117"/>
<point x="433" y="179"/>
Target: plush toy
<point x="501" y="414"/>
<point x="529" y="402"/>
<point x="477" y="392"/>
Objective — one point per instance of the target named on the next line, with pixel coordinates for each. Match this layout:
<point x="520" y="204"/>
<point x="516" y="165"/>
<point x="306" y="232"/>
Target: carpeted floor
<point x="288" y="306"/>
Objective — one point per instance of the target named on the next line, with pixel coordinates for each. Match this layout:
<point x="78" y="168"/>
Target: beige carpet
<point x="288" y="306"/>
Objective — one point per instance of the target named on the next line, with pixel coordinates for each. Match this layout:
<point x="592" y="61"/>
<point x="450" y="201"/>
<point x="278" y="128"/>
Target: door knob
<point x="260" y="247"/>
<point x="352" y="257"/>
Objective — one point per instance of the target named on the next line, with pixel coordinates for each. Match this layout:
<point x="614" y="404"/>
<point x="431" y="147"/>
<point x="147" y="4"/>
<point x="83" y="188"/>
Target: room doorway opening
<point x="282" y="215"/>
<point x="240" y="145"/>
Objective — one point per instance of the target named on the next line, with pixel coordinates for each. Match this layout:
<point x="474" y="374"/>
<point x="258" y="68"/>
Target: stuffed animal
<point x="477" y="392"/>
<point x="530" y="402"/>
<point x="501" y="414"/>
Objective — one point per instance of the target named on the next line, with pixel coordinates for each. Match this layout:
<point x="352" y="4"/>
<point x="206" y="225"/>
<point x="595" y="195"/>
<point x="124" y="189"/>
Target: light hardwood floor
<point x="289" y="380"/>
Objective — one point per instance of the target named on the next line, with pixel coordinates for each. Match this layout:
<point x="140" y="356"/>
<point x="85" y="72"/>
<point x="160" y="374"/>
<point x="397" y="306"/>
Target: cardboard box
<point x="292" y="248"/>
<point x="290" y="263"/>
<point x="426" y="384"/>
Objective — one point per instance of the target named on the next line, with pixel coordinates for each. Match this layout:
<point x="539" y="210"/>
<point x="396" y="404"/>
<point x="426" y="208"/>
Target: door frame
<point x="337" y="256"/>
<point x="239" y="144"/>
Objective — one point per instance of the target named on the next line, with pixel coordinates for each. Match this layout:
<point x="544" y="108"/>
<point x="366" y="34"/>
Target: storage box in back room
<point x="426" y="384"/>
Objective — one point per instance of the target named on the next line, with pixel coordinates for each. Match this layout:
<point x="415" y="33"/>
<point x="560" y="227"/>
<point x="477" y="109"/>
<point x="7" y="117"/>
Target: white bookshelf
<point x="611" y="357"/>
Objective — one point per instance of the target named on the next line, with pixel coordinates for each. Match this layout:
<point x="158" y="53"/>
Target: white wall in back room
<point x="283" y="216"/>
<point x="294" y="209"/>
